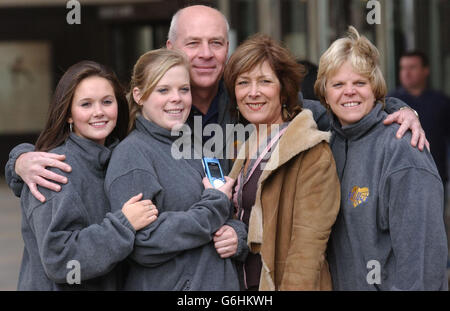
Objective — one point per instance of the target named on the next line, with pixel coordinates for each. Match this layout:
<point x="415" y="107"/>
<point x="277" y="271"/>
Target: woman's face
<point x="349" y="95"/>
<point x="170" y="102"/>
<point x="94" y="109"/>
<point x="258" y="95"/>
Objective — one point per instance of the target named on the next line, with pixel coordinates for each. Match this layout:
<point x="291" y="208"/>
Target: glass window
<point x="244" y="18"/>
<point x="294" y="26"/>
<point x="131" y="41"/>
<point x="344" y="13"/>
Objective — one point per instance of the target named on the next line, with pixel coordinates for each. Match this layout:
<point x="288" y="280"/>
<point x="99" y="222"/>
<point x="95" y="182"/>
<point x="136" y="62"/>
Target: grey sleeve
<point x="241" y="230"/>
<point x="13" y="180"/>
<point x="185" y="230"/>
<point x="394" y="104"/>
<point x="320" y="113"/>
<point x="63" y="235"/>
<point x="173" y="231"/>
<point x="414" y="198"/>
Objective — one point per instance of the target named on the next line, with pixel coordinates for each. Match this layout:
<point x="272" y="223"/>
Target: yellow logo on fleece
<point x="358" y="195"/>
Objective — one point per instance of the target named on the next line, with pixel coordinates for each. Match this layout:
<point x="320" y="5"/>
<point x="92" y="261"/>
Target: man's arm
<point x="319" y="113"/>
<point x="29" y="167"/>
<point x="407" y="119"/>
<point x="13" y="180"/>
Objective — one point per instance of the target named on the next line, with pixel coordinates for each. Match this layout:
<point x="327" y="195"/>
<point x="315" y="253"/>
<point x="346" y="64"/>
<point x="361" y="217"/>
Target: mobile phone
<point x="213" y="171"/>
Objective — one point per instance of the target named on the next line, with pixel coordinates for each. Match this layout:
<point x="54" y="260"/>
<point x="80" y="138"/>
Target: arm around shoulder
<point x="13" y="180"/>
<point x="394" y="104"/>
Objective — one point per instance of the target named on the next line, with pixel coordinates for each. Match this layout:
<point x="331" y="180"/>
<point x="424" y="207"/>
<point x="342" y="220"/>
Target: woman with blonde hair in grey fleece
<point x="389" y="234"/>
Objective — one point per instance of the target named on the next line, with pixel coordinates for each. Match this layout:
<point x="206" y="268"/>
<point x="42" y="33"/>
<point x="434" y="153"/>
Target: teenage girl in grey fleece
<point x="389" y="234"/>
<point x="176" y="252"/>
<point x="72" y="240"/>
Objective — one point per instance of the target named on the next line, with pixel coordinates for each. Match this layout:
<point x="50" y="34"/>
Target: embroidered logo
<point x="358" y="195"/>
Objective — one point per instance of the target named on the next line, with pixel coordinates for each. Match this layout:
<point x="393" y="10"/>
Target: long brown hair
<point x="56" y="129"/>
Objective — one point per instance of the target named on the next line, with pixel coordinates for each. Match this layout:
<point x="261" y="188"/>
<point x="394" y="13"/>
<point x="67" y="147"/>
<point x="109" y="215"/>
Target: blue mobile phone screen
<point x="213" y="171"/>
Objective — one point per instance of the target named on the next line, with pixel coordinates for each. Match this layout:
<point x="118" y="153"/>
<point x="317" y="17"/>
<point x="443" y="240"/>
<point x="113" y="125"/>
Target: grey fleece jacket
<point x="71" y="225"/>
<point x="176" y="251"/>
<point x="391" y="216"/>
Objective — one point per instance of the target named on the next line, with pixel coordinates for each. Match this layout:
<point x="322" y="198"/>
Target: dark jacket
<point x="434" y="113"/>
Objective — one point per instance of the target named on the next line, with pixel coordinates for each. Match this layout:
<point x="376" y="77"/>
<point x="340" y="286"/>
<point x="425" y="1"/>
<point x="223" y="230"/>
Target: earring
<point x="237" y="108"/>
<point x="70" y="127"/>
<point x="285" y="112"/>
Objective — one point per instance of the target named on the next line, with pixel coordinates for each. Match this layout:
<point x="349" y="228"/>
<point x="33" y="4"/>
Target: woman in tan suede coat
<point x="287" y="189"/>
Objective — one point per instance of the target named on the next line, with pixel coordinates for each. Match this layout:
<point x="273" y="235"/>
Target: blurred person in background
<point x="432" y="106"/>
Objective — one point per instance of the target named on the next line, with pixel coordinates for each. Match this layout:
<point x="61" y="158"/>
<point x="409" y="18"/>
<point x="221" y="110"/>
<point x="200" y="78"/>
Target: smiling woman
<point x="75" y="224"/>
<point x="391" y="213"/>
<point x="258" y="95"/>
<point x="349" y="95"/>
<point x="170" y="103"/>
<point x="94" y="109"/>
<point x="287" y="192"/>
<point x="176" y="252"/>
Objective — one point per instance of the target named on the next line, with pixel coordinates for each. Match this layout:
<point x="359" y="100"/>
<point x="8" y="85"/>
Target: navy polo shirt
<point x="211" y="116"/>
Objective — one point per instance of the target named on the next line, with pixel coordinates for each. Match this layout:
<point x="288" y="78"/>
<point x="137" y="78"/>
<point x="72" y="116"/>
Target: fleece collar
<point x="95" y="154"/>
<point x="301" y="134"/>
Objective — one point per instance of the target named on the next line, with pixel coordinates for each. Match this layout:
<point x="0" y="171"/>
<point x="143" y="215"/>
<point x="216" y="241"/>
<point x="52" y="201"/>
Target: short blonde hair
<point x="148" y="71"/>
<point x="362" y="55"/>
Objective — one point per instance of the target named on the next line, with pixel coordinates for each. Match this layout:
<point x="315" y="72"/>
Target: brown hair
<point x="148" y="71"/>
<point x="255" y="51"/>
<point x="364" y="58"/>
<point x="56" y="129"/>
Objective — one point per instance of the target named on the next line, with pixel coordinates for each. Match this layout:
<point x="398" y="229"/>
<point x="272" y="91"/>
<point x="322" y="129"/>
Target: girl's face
<point x="94" y="109"/>
<point x="170" y="102"/>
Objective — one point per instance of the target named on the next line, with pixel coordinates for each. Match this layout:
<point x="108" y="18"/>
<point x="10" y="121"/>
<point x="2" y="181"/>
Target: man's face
<point x="202" y="35"/>
<point x="412" y="72"/>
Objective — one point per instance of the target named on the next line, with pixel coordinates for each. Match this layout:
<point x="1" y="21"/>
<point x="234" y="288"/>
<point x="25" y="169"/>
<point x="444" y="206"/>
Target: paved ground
<point x="11" y="244"/>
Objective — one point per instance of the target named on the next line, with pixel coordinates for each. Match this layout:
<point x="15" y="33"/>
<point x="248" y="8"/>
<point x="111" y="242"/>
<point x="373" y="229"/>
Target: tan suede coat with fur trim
<point x="296" y="205"/>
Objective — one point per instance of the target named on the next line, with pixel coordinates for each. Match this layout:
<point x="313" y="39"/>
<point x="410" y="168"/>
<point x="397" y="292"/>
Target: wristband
<point x="415" y="112"/>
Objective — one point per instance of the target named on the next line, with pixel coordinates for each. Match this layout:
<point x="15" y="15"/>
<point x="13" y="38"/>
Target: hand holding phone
<point x="226" y="189"/>
<point x="213" y="171"/>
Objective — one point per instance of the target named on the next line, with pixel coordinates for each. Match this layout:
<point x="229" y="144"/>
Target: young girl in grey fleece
<point x="72" y="240"/>
<point x="176" y="252"/>
<point x="390" y="233"/>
